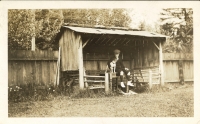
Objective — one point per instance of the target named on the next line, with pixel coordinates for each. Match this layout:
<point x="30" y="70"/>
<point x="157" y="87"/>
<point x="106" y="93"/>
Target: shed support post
<point x="161" y="64"/>
<point x="106" y="83"/>
<point x="80" y="58"/>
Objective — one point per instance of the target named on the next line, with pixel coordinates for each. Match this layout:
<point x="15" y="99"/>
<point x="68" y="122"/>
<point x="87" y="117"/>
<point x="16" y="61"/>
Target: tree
<point x="48" y="23"/>
<point x="20" y="29"/>
<point x="44" y="24"/>
<point x="92" y="17"/>
<point x="178" y="24"/>
<point x="21" y="25"/>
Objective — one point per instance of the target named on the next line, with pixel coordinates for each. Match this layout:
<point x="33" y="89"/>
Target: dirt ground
<point x="176" y="102"/>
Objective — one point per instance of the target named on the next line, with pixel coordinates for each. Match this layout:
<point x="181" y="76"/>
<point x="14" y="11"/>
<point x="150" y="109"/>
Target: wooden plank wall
<point x="145" y="55"/>
<point x="171" y="72"/>
<point x="69" y="43"/>
<point x="37" y="67"/>
<point x="95" y="61"/>
<point x="98" y="61"/>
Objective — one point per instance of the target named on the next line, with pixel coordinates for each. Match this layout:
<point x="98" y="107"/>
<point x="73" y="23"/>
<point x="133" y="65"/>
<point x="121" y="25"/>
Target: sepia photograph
<point x="100" y="62"/>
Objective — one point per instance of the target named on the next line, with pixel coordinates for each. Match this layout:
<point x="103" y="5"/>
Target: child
<point x="119" y="68"/>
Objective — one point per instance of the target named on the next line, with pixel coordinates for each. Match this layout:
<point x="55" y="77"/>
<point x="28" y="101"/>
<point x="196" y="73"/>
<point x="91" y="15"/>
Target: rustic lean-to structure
<point x="90" y="49"/>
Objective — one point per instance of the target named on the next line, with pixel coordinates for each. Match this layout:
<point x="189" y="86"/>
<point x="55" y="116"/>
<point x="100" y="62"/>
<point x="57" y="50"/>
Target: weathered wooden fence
<point x="37" y="67"/>
<point x="172" y="63"/>
<point x="40" y="67"/>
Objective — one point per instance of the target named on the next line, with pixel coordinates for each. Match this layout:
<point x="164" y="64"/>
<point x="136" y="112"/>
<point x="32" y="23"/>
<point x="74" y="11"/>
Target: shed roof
<point x="114" y="31"/>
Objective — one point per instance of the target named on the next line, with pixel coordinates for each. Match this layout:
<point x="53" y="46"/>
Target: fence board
<point x="103" y="65"/>
<point x="177" y="56"/>
<point x="14" y="73"/>
<point x="188" y="70"/>
<point x="43" y="72"/>
<point x="23" y="67"/>
<point x="52" y="72"/>
<point x="29" y="70"/>
<point x="33" y="55"/>
<point x="9" y="72"/>
<point x="171" y="71"/>
<point x="40" y="66"/>
<point x="33" y="73"/>
<point x="23" y="72"/>
<point x="37" y="72"/>
<point x="19" y="73"/>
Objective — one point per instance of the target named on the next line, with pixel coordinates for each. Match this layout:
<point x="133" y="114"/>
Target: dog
<point x="67" y="85"/>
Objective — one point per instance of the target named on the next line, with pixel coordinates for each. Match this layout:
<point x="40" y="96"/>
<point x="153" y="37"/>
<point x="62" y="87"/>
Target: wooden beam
<point x="98" y="39"/>
<point x="106" y="83"/>
<point x="127" y="41"/>
<point x="107" y="42"/>
<point x="85" y="43"/>
<point x="102" y="40"/>
<point x="80" y="58"/>
<point x="112" y="42"/>
<point x="156" y="45"/>
<point x="161" y="64"/>
<point x="117" y="42"/>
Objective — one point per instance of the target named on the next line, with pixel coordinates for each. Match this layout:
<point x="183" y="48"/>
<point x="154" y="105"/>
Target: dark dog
<point x="67" y="85"/>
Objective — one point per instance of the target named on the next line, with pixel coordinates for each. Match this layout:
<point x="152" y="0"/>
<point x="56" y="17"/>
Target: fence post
<point x="110" y="83"/>
<point x="106" y="83"/>
<point x="150" y="78"/>
<point x="85" y="79"/>
<point x="181" y="76"/>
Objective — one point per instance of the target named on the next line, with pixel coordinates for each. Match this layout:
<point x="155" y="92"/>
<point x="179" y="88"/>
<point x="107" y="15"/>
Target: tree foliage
<point x="20" y="29"/>
<point x="24" y="24"/>
<point x="44" y="24"/>
<point x="48" y="24"/>
<point x="178" y="25"/>
<point x="92" y="17"/>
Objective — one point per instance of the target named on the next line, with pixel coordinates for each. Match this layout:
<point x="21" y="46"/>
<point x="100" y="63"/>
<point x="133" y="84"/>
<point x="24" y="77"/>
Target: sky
<point x="148" y="14"/>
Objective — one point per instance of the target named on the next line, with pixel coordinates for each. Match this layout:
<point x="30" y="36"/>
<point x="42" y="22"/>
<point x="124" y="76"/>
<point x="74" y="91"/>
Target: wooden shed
<point x="90" y="49"/>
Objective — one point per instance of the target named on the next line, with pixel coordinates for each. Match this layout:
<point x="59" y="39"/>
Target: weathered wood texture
<point x="69" y="43"/>
<point x="171" y="66"/>
<point x="37" y="67"/>
<point x="146" y="55"/>
<point x="98" y="61"/>
<point x="32" y="55"/>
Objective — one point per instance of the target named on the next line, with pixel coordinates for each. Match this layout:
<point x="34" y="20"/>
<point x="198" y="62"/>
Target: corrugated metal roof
<point x="116" y="31"/>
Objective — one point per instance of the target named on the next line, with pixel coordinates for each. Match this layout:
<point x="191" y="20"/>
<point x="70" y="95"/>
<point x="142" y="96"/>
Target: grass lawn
<point x="176" y="102"/>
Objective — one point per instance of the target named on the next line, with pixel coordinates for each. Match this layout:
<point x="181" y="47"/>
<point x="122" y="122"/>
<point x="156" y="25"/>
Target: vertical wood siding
<point x="171" y="72"/>
<point x="37" y="67"/>
<point x="69" y="43"/>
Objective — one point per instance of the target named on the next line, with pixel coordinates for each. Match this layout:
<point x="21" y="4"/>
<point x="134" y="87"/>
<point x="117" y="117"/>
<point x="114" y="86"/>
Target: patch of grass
<point x="173" y="100"/>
